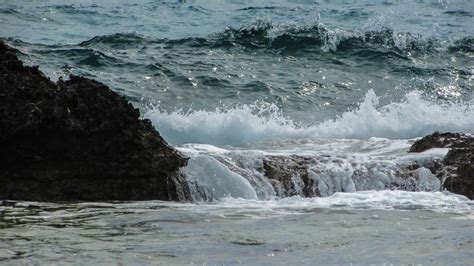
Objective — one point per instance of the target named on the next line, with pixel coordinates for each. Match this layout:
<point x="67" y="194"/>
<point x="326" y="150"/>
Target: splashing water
<point x="410" y="118"/>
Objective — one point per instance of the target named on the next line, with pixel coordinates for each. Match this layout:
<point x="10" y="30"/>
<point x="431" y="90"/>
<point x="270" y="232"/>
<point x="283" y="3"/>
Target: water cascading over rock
<point x="283" y="175"/>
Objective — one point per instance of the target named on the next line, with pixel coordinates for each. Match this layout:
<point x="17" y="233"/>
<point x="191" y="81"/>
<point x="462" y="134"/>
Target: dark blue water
<point x="313" y="60"/>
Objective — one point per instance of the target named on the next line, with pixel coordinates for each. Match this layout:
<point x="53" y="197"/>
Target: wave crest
<point x="290" y="37"/>
<point x="412" y="117"/>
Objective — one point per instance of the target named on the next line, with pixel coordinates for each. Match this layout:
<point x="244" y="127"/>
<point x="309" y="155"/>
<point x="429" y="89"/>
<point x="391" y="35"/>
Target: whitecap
<point x="412" y="117"/>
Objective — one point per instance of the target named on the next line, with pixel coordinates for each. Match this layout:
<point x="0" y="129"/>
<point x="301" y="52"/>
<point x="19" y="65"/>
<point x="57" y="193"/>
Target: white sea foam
<point x="441" y="202"/>
<point x="384" y="200"/>
<point x="412" y="117"/>
<point x="351" y="153"/>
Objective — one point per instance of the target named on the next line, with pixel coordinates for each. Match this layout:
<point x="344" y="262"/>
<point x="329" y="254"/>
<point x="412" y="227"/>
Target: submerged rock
<point x="76" y="140"/>
<point x="457" y="168"/>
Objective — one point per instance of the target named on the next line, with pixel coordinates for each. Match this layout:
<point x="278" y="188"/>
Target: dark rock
<point x="289" y="175"/>
<point x="460" y="170"/>
<point x="442" y="140"/>
<point x="76" y="140"/>
<point x="457" y="168"/>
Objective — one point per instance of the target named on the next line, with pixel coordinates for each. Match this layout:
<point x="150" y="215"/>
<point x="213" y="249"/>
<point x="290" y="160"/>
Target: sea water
<point x="349" y="84"/>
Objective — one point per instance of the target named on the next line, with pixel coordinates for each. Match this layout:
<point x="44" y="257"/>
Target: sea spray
<point x="412" y="117"/>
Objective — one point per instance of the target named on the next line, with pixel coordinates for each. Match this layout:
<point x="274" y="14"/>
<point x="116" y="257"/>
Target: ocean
<point x="233" y="84"/>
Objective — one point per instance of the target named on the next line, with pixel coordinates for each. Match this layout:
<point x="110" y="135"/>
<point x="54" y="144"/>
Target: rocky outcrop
<point x="76" y="140"/>
<point x="443" y="140"/>
<point x="457" y="168"/>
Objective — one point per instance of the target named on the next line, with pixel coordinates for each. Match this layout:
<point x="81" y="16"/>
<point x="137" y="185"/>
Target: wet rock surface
<point x="323" y="175"/>
<point x="76" y="140"/>
<point x="310" y="177"/>
<point x="443" y="140"/>
<point x="289" y="175"/>
<point x="456" y="170"/>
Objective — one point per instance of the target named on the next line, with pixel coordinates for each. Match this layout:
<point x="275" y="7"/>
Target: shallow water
<point x="361" y="228"/>
<point x="348" y="84"/>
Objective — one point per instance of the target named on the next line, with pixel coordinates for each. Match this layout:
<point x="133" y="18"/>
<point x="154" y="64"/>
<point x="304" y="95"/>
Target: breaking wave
<point x="264" y="34"/>
<point x="412" y="117"/>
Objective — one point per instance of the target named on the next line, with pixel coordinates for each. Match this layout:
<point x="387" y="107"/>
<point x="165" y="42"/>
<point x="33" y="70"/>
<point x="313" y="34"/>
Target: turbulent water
<point x="347" y="85"/>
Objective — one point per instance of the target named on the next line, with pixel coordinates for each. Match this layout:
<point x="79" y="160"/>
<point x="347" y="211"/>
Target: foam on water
<point x="412" y="117"/>
<point x="439" y="202"/>
<point x="383" y="200"/>
<point x="442" y="202"/>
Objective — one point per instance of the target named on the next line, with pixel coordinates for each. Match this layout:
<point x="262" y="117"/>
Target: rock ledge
<point x="76" y="140"/>
<point x="457" y="168"/>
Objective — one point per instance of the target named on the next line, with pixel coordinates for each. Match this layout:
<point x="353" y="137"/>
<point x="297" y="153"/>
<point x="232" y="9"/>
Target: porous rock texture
<point x="76" y="140"/>
<point x="457" y="168"/>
